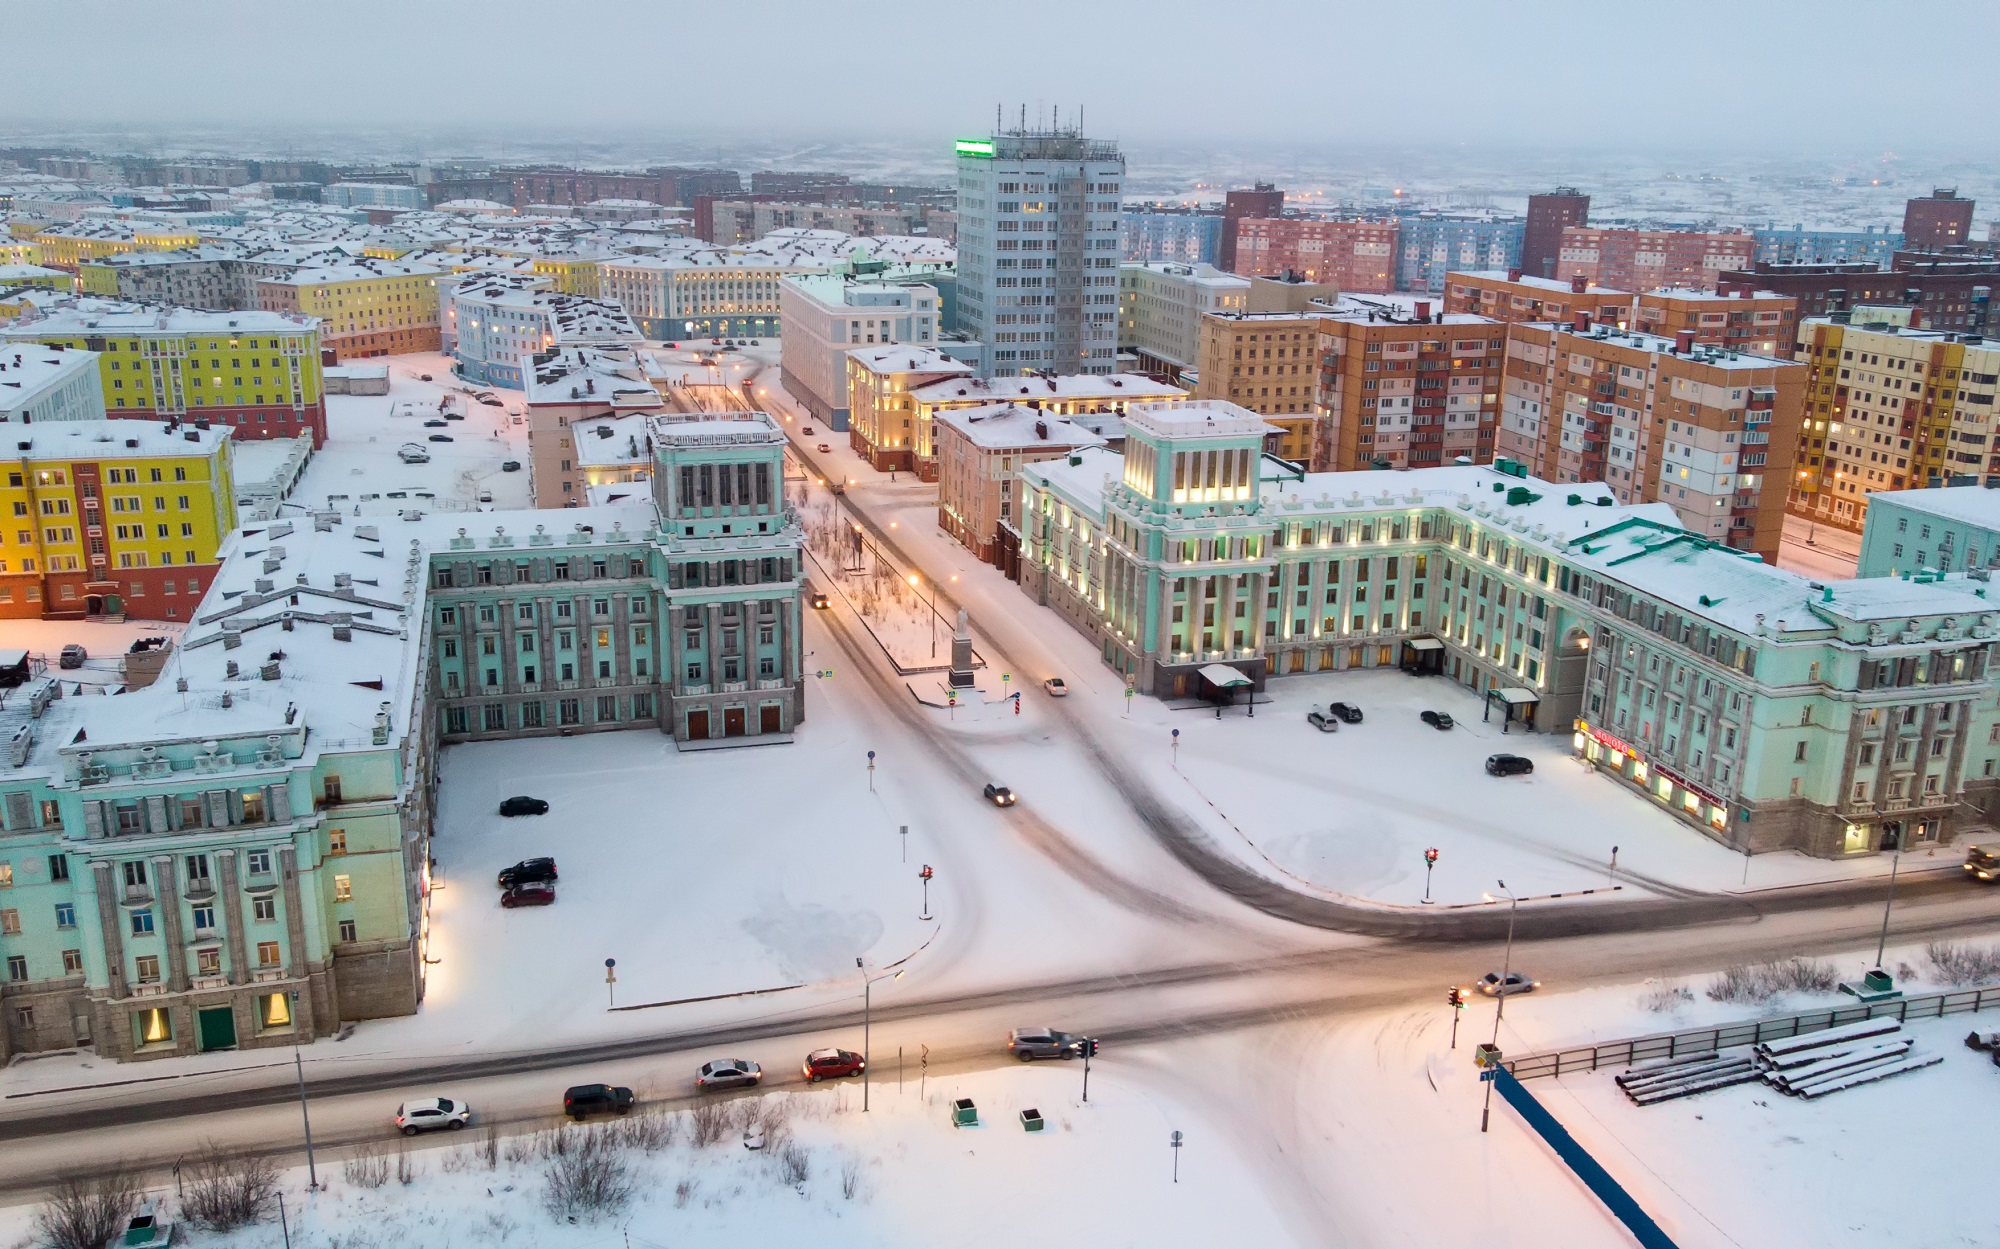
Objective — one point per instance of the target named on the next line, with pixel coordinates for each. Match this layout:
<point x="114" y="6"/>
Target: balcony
<point x="267" y="975"/>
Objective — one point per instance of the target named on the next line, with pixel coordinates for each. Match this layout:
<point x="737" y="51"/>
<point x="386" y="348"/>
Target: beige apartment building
<point x="1407" y="389"/>
<point x="1737" y="316"/>
<point x="883" y="424"/>
<point x="569" y="387"/>
<point x="1266" y="363"/>
<point x="1511" y="296"/>
<point x="1066" y="394"/>
<point x="980" y="453"/>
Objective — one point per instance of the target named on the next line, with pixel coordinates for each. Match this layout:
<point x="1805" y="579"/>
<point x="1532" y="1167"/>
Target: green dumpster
<point x="1032" y="1120"/>
<point x="964" y="1114"/>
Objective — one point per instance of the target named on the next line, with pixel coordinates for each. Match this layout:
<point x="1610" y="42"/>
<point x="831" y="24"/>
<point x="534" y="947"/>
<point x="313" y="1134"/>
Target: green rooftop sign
<point x="973" y="147"/>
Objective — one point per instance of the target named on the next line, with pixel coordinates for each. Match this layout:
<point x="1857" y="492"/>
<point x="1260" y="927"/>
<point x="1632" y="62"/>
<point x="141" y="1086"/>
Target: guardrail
<point x="1747" y="1032"/>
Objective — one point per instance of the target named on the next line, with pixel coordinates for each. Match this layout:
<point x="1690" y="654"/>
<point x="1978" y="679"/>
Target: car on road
<point x="728" y="1073"/>
<point x="596" y="1099"/>
<point x="1347" y="712"/>
<point x="491" y="402"/>
<point x="521" y="804"/>
<point x="510" y="466"/>
<point x="1056" y="688"/>
<point x="423" y="377"/>
<point x="819" y="601"/>
<point x="485" y="496"/>
<point x="441" y="438"/>
<point x="1000" y="795"/>
<point x="431" y="1114"/>
<point x="824" y="449"/>
<point x="806" y="430"/>
<point x="411" y="453"/>
<point x="1321" y="721"/>
<point x="72" y="656"/>
<point x="534" y="893"/>
<point x="1437" y="719"/>
<point x="436" y="422"/>
<point x="1508" y="765"/>
<point x="454" y="416"/>
<point x="833" y="1064"/>
<point x="1028" y="1044"/>
<point x="1493" y="984"/>
<point x="1982" y="863"/>
<point x="528" y="871"/>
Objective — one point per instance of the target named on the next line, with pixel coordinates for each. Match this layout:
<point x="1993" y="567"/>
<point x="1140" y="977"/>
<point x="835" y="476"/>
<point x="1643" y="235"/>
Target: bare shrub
<point x="649" y="1131"/>
<point x="1758" y="982"/>
<point x="225" y="1193"/>
<point x="489" y="1148"/>
<point x="684" y="1193"/>
<point x="850" y="1177"/>
<point x="707" y="1123"/>
<point x="588" y="1180"/>
<point x="770" y="1116"/>
<point x="1666" y="997"/>
<point x="406" y="1171"/>
<point x="795" y="1163"/>
<point x="84" y="1213"/>
<point x="1952" y="963"/>
<point x="366" y="1169"/>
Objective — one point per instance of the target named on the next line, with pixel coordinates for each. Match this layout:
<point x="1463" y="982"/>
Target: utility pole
<point x="1894" y="864"/>
<point x="299" y="1069"/>
<point x="867" y="1020"/>
<point x="1506" y="968"/>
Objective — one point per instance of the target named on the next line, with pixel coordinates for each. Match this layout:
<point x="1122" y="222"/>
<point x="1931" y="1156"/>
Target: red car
<point x="833" y="1065"/>
<point x="529" y="893"/>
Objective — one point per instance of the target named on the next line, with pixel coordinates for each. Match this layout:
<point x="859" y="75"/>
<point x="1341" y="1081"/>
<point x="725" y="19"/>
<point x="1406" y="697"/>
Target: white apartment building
<point x="1160" y="309"/>
<point x="1038" y="250"/>
<point x="499" y="324"/>
<point x="824" y="316"/>
<point x="42" y="383"/>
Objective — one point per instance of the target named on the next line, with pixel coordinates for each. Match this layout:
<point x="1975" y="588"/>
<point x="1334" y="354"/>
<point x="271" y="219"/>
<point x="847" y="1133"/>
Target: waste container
<point x="964" y="1114"/>
<point x="1032" y="1120"/>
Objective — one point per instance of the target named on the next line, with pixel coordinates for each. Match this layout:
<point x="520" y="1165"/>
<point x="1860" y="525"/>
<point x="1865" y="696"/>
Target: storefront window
<point x="1664" y="788"/>
<point x="1639" y="770"/>
<point x="1718" y="818"/>
<point x="153" y="1027"/>
<point x="1856" y="839"/>
<point x="274" y="1010"/>
<point x="1593" y="752"/>
<point x="1691" y="803"/>
<point x="1618" y="759"/>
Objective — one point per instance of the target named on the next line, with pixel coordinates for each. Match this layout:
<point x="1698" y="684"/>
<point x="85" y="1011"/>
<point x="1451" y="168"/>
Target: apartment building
<point x="1758" y="709"/>
<point x="366" y="308"/>
<point x="1038" y="250"/>
<point x="885" y="422"/>
<point x="257" y="373"/>
<point x="1075" y="395"/>
<point x="1642" y="260"/>
<point x="1891" y="409"/>
<point x="392" y="195"/>
<point x="706" y="294"/>
<point x="1169" y="234"/>
<point x="1801" y="244"/>
<point x="501" y="323"/>
<point x="824" y="316"/>
<point x="1952" y="294"/>
<point x="1735" y="316"/>
<point x="1664" y="420"/>
<point x="33" y="277"/>
<point x="1937" y="221"/>
<point x="1262" y="200"/>
<point x="1359" y="257"/>
<point x="1267" y="363"/>
<point x="48" y="384"/>
<point x="1940" y="529"/>
<point x="69" y="246"/>
<point x="1541" y="234"/>
<point x="569" y="388"/>
<point x="1512" y="296"/>
<point x="112" y="517"/>
<point x="1161" y="307"/>
<point x="1405" y="387"/>
<point x="979" y="454"/>
<point x="1430" y="245"/>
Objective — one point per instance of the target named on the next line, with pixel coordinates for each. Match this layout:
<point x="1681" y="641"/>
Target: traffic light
<point x="1455" y="997"/>
<point x="1087" y="1047"/>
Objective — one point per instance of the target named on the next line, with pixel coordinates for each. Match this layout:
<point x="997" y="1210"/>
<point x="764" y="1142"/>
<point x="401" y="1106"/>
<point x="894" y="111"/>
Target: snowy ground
<point x="1821" y="551"/>
<point x="364" y="433"/>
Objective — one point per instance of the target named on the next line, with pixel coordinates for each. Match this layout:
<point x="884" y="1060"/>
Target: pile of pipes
<point x="1808" y="1066"/>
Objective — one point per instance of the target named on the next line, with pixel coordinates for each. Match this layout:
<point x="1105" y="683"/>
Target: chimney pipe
<point x="1423" y="310"/>
<point x="1683" y="342"/>
<point x="1581" y="322"/>
<point x="1578" y="284"/>
<point x="1513" y="275"/>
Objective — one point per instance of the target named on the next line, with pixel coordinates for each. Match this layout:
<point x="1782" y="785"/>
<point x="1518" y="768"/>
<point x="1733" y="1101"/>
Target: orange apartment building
<point x="1511" y="296"/>
<point x="980" y="452"/>
<point x="1643" y="260"/>
<point x="1407" y="390"/>
<point x="1663" y="420"/>
<point x="1267" y="362"/>
<point x="1359" y="257"/>
<point x="1736" y="315"/>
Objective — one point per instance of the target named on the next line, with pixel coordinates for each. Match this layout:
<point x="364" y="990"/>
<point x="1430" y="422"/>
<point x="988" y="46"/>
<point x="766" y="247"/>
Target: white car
<point x="411" y="453"/>
<point x="430" y="1114"/>
<point x="1055" y="687"/>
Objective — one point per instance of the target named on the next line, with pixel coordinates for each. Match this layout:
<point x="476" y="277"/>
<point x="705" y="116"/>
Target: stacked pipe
<point x="1808" y="1066"/>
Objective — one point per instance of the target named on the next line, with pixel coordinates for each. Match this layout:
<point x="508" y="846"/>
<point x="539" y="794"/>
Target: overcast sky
<point x="1777" y="75"/>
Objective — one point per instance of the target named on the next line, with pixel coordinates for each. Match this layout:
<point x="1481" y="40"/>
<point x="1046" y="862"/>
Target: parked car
<point x="411" y="453"/>
<point x="1056" y="688"/>
<point x="485" y="496"/>
<point x="72" y="656"/>
<point x="1508" y="765"/>
<point x="1493" y="984"/>
<point x="1982" y="863"/>
<point x="454" y="416"/>
<point x="1321" y="721"/>
<point x="819" y="601"/>
<point x="1347" y="712"/>
<point x="1437" y="719"/>
<point x="832" y="1064"/>
<point x="520" y="804"/>
<point x="440" y="437"/>
<point x="824" y="449"/>
<point x="536" y="893"/>
<point x="595" y="1099"/>
<point x="510" y="466"/>
<point x="528" y="871"/>
<point x="728" y="1073"/>
<point x="491" y="402"/>
<point x="436" y="422"/>
<point x="423" y="377"/>
<point x="1027" y="1044"/>
<point x="431" y="1114"/>
<point x="1000" y="795"/>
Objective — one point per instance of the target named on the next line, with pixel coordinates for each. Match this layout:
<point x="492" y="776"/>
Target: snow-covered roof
<point x="1000" y="425"/>
<point x="1639" y="340"/>
<point x="28" y="370"/>
<point x="85" y="317"/>
<point x="113" y="440"/>
<point x="583" y="374"/>
<point x="909" y="358"/>
<point x="612" y="442"/>
<point x="1067" y="387"/>
<point x="1555" y="286"/>
<point x="360" y="269"/>
<point x="1969" y="505"/>
<point x="698" y="429"/>
<point x="1196" y="416"/>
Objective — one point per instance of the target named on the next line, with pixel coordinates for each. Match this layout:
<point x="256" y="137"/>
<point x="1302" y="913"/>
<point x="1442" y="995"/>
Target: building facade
<point x="1160" y="312"/>
<point x="1407" y="388"/>
<point x="1942" y="529"/>
<point x="1359" y="257"/>
<point x="500" y="324"/>
<point x="1267" y="363"/>
<point x="366" y="308"/>
<point x="1641" y="260"/>
<point x="1736" y="316"/>
<point x="1541" y="233"/>
<point x="980" y="452"/>
<point x="885" y="424"/>
<point x="1513" y="296"/>
<point x="1163" y="234"/>
<point x="1937" y="221"/>
<point x="1870" y="245"/>
<point x="394" y="195"/>
<point x="825" y="316"/>
<point x="1038" y="250"/>
<point x="569" y="388"/>
<point x="1431" y="244"/>
<point x="1262" y="200"/>
<point x="43" y="383"/>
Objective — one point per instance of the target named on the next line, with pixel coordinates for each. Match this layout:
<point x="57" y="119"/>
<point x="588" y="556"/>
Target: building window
<point x="264" y="908"/>
<point x="10" y="923"/>
<point x="336" y="841"/>
<point x="204" y="918"/>
<point x="347" y="930"/>
<point x="17" y="967"/>
<point x="149" y="968"/>
<point x="65" y="915"/>
<point x="142" y="922"/>
<point x="274" y="1010"/>
<point x="72" y="962"/>
<point x="208" y="962"/>
<point x="259" y="862"/>
<point x="153" y="1027"/>
<point x="267" y="954"/>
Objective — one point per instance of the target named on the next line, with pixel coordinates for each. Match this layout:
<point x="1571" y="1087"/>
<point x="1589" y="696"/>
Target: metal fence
<point x="1748" y="1032"/>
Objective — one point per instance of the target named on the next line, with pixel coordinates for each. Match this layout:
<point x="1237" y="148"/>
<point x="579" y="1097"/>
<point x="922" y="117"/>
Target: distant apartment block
<point x="1953" y="295"/>
<point x="1541" y="233"/>
<point x="1161" y="307"/>
<point x="1359" y="257"/>
<point x="1515" y="297"/>
<point x="1638" y="260"/>
<point x="367" y="307"/>
<point x="372" y="195"/>
<point x="1873" y="245"/>
<point x="825" y="315"/>
<point x="1160" y="234"/>
<point x="1430" y="245"/>
<point x="1738" y="317"/>
<point x="1937" y="221"/>
<point x="1263" y="201"/>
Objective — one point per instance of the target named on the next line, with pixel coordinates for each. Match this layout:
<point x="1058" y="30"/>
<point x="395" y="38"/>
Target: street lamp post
<point x="867" y="1018"/>
<point x="919" y="589"/>
<point x="1894" y="864"/>
<point x="1506" y="967"/>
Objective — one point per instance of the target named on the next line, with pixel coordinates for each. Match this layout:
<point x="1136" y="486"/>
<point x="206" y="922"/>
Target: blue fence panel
<point x="1595" y="1177"/>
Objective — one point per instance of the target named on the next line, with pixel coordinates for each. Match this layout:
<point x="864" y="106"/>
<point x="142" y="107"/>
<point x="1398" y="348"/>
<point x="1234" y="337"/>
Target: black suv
<point x="1437" y="719"/>
<point x="523" y="805"/>
<point x="528" y="872"/>
<point x="1508" y="765"/>
<point x="1347" y="712"/>
<point x="594" y="1099"/>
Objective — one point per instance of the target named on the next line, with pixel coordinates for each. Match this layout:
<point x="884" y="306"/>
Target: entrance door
<point x="732" y="721"/>
<point x="698" y="725"/>
<point x="216" y="1028"/>
<point x="93" y="604"/>
<point x="770" y="718"/>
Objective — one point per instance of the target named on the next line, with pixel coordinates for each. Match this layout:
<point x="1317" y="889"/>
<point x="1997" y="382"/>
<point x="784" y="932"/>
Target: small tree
<point x="85" y="1213"/>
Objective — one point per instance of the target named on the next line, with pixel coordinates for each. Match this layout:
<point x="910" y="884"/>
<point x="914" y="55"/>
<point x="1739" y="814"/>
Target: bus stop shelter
<point x="1516" y="703"/>
<point x="1219" y="683"/>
